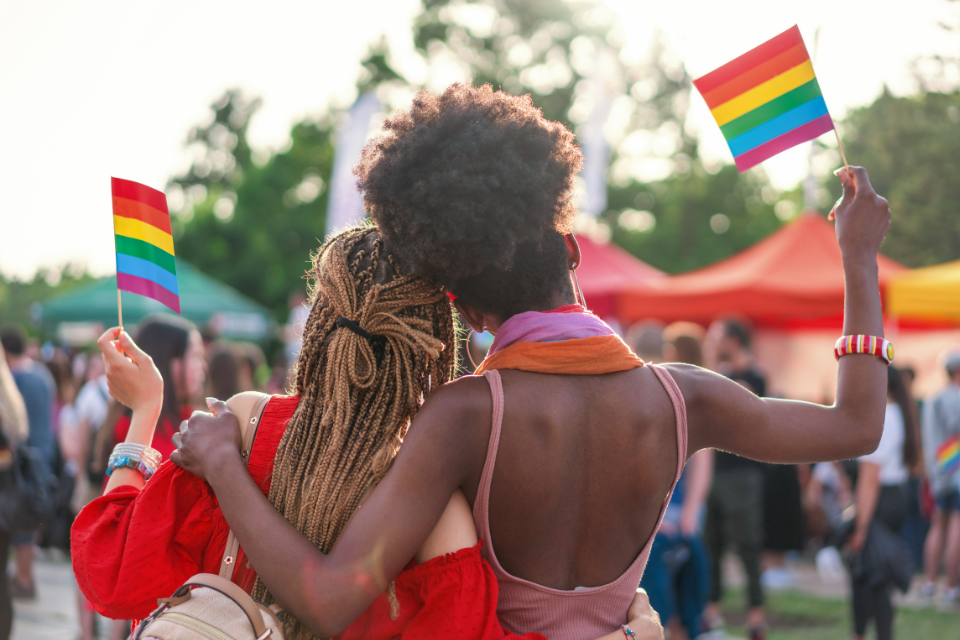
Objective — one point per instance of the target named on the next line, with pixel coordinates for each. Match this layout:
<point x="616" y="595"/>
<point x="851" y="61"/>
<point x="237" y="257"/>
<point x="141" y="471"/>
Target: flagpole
<point x="119" y="308"/>
<point x="842" y="155"/>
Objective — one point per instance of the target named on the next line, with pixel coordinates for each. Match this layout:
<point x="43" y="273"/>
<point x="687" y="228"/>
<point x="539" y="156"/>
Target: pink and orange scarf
<point x="568" y="340"/>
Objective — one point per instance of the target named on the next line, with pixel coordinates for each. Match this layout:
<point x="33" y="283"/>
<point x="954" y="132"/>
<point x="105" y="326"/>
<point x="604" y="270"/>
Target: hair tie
<point x="353" y="326"/>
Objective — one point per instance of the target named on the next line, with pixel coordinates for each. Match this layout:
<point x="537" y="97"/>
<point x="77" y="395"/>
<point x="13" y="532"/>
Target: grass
<point x="794" y="616"/>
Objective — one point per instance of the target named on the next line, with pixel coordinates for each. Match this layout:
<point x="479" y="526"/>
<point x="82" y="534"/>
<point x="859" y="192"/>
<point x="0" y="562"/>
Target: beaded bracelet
<point x="138" y="457"/>
<point x="871" y="345"/>
<point x="627" y="631"/>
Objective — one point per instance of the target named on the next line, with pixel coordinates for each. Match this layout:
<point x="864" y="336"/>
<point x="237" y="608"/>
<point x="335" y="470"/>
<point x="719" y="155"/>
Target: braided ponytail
<point x="357" y="393"/>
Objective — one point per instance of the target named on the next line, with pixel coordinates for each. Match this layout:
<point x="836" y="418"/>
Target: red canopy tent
<point x="792" y="277"/>
<point x="605" y="271"/>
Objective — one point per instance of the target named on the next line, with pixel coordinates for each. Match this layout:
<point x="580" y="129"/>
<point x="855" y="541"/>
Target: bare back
<point x="583" y="467"/>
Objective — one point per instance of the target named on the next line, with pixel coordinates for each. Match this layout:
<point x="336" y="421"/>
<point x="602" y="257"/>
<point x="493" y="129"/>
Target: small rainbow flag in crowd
<point x="141" y="225"/>
<point x="767" y="100"/>
<point x="948" y="454"/>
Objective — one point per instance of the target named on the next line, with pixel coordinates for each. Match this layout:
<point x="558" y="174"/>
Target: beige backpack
<point x="209" y="607"/>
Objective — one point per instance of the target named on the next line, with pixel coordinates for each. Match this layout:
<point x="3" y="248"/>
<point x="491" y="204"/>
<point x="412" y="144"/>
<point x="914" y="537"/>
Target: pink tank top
<point x="525" y="606"/>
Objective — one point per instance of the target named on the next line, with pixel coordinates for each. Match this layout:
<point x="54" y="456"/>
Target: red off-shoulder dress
<point x="132" y="546"/>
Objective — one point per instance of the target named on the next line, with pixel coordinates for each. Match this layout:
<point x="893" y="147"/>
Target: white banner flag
<point x="345" y="206"/>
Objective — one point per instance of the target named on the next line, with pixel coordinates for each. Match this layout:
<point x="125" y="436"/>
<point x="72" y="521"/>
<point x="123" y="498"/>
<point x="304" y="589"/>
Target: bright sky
<point x="95" y="89"/>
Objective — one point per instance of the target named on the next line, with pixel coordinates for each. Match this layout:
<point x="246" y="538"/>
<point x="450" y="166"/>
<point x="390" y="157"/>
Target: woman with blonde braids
<point x="375" y="343"/>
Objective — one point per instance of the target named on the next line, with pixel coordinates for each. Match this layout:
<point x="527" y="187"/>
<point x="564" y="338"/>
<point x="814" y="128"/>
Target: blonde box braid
<point x="357" y="394"/>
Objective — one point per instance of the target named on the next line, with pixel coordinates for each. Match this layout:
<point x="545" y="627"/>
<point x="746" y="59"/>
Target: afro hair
<point x="463" y="181"/>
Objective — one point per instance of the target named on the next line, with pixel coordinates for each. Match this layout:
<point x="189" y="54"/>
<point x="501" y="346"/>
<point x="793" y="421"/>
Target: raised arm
<point x="723" y="415"/>
<point x="135" y="382"/>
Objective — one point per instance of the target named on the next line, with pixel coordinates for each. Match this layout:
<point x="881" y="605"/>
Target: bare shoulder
<point x="242" y="404"/>
<point x="454" y="422"/>
<point x="695" y="383"/>
<point x="459" y="403"/>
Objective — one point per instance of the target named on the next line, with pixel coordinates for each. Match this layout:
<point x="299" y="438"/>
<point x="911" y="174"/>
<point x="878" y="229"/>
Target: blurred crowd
<point x="768" y="515"/>
<point x="56" y="407"/>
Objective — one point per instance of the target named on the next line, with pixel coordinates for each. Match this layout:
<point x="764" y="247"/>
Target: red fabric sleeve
<point x="132" y="546"/>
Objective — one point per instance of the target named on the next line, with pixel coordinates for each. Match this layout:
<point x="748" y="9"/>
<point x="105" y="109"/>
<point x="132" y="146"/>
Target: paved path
<point x="53" y="615"/>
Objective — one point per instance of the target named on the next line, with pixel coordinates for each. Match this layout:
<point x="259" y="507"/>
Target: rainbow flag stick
<point x="144" y="243"/>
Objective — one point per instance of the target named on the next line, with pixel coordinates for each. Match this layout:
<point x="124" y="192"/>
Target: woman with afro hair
<point x="567" y="446"/>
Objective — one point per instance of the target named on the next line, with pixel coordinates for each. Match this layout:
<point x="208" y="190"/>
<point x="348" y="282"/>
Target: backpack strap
<point x="248" y="433"/>
<point x="231" y="591"/>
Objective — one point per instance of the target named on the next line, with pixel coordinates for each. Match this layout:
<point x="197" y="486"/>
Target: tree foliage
<point x="911" y="147"/>
<point x="19" y="297"/>
<point x="253" y="225"/>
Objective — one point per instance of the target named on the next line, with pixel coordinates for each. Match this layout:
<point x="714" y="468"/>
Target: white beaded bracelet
<point x="138" y="457"/>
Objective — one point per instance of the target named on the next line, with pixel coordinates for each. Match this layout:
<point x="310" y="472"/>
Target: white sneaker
<point x="777" y="578"/>
<point x="928" y="589"/>
<point x="951" y="597"/>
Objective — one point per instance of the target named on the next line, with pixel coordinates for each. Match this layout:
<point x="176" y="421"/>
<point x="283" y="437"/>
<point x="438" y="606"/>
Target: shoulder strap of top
<point x="679" y="409"/>
<point x="481" y="503"/>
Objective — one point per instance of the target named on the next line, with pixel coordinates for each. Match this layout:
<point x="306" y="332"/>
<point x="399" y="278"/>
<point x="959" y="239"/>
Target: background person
<point x="37" y="388"/>
<point x="15" y="428"/>
<point x="224" y="371"/>
<point x="677" y="577"/>
<point x="735" y="503"/>
<point x="941" y="433"/>
<point x="76" y="443"/>
<point x="647" y="341"/>
<point x="917" y="526"/>
<point x="880" y="497"/>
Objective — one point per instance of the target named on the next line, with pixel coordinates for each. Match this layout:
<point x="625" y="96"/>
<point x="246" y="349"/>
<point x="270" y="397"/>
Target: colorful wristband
<point x="627" y="631"/>
<point x="871" y="345"/>
<point x="138" y="457"/>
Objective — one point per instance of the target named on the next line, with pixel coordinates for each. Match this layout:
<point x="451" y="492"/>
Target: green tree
<point x="911" y="146"/>
<point x="691" y="220"/>
<point x="543" y="48"/>
<point x="251" y="221"/>
<point x="19" y="297"/>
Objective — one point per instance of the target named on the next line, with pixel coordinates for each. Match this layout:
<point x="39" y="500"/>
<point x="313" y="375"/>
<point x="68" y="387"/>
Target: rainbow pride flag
<point x="948" y="455"/>
<point x="767" y="100"/>
<point x="141" y="225"/>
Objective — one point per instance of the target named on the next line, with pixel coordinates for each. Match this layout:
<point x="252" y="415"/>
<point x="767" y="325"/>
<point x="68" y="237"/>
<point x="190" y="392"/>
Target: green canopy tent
<point x="203" y="300"/>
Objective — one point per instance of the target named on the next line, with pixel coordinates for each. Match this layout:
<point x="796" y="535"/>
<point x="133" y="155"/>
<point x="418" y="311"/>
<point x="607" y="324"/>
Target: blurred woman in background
<point x="177" y="351"/>
<point x="224" y="369"/>
<point x="881" y="497"/>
